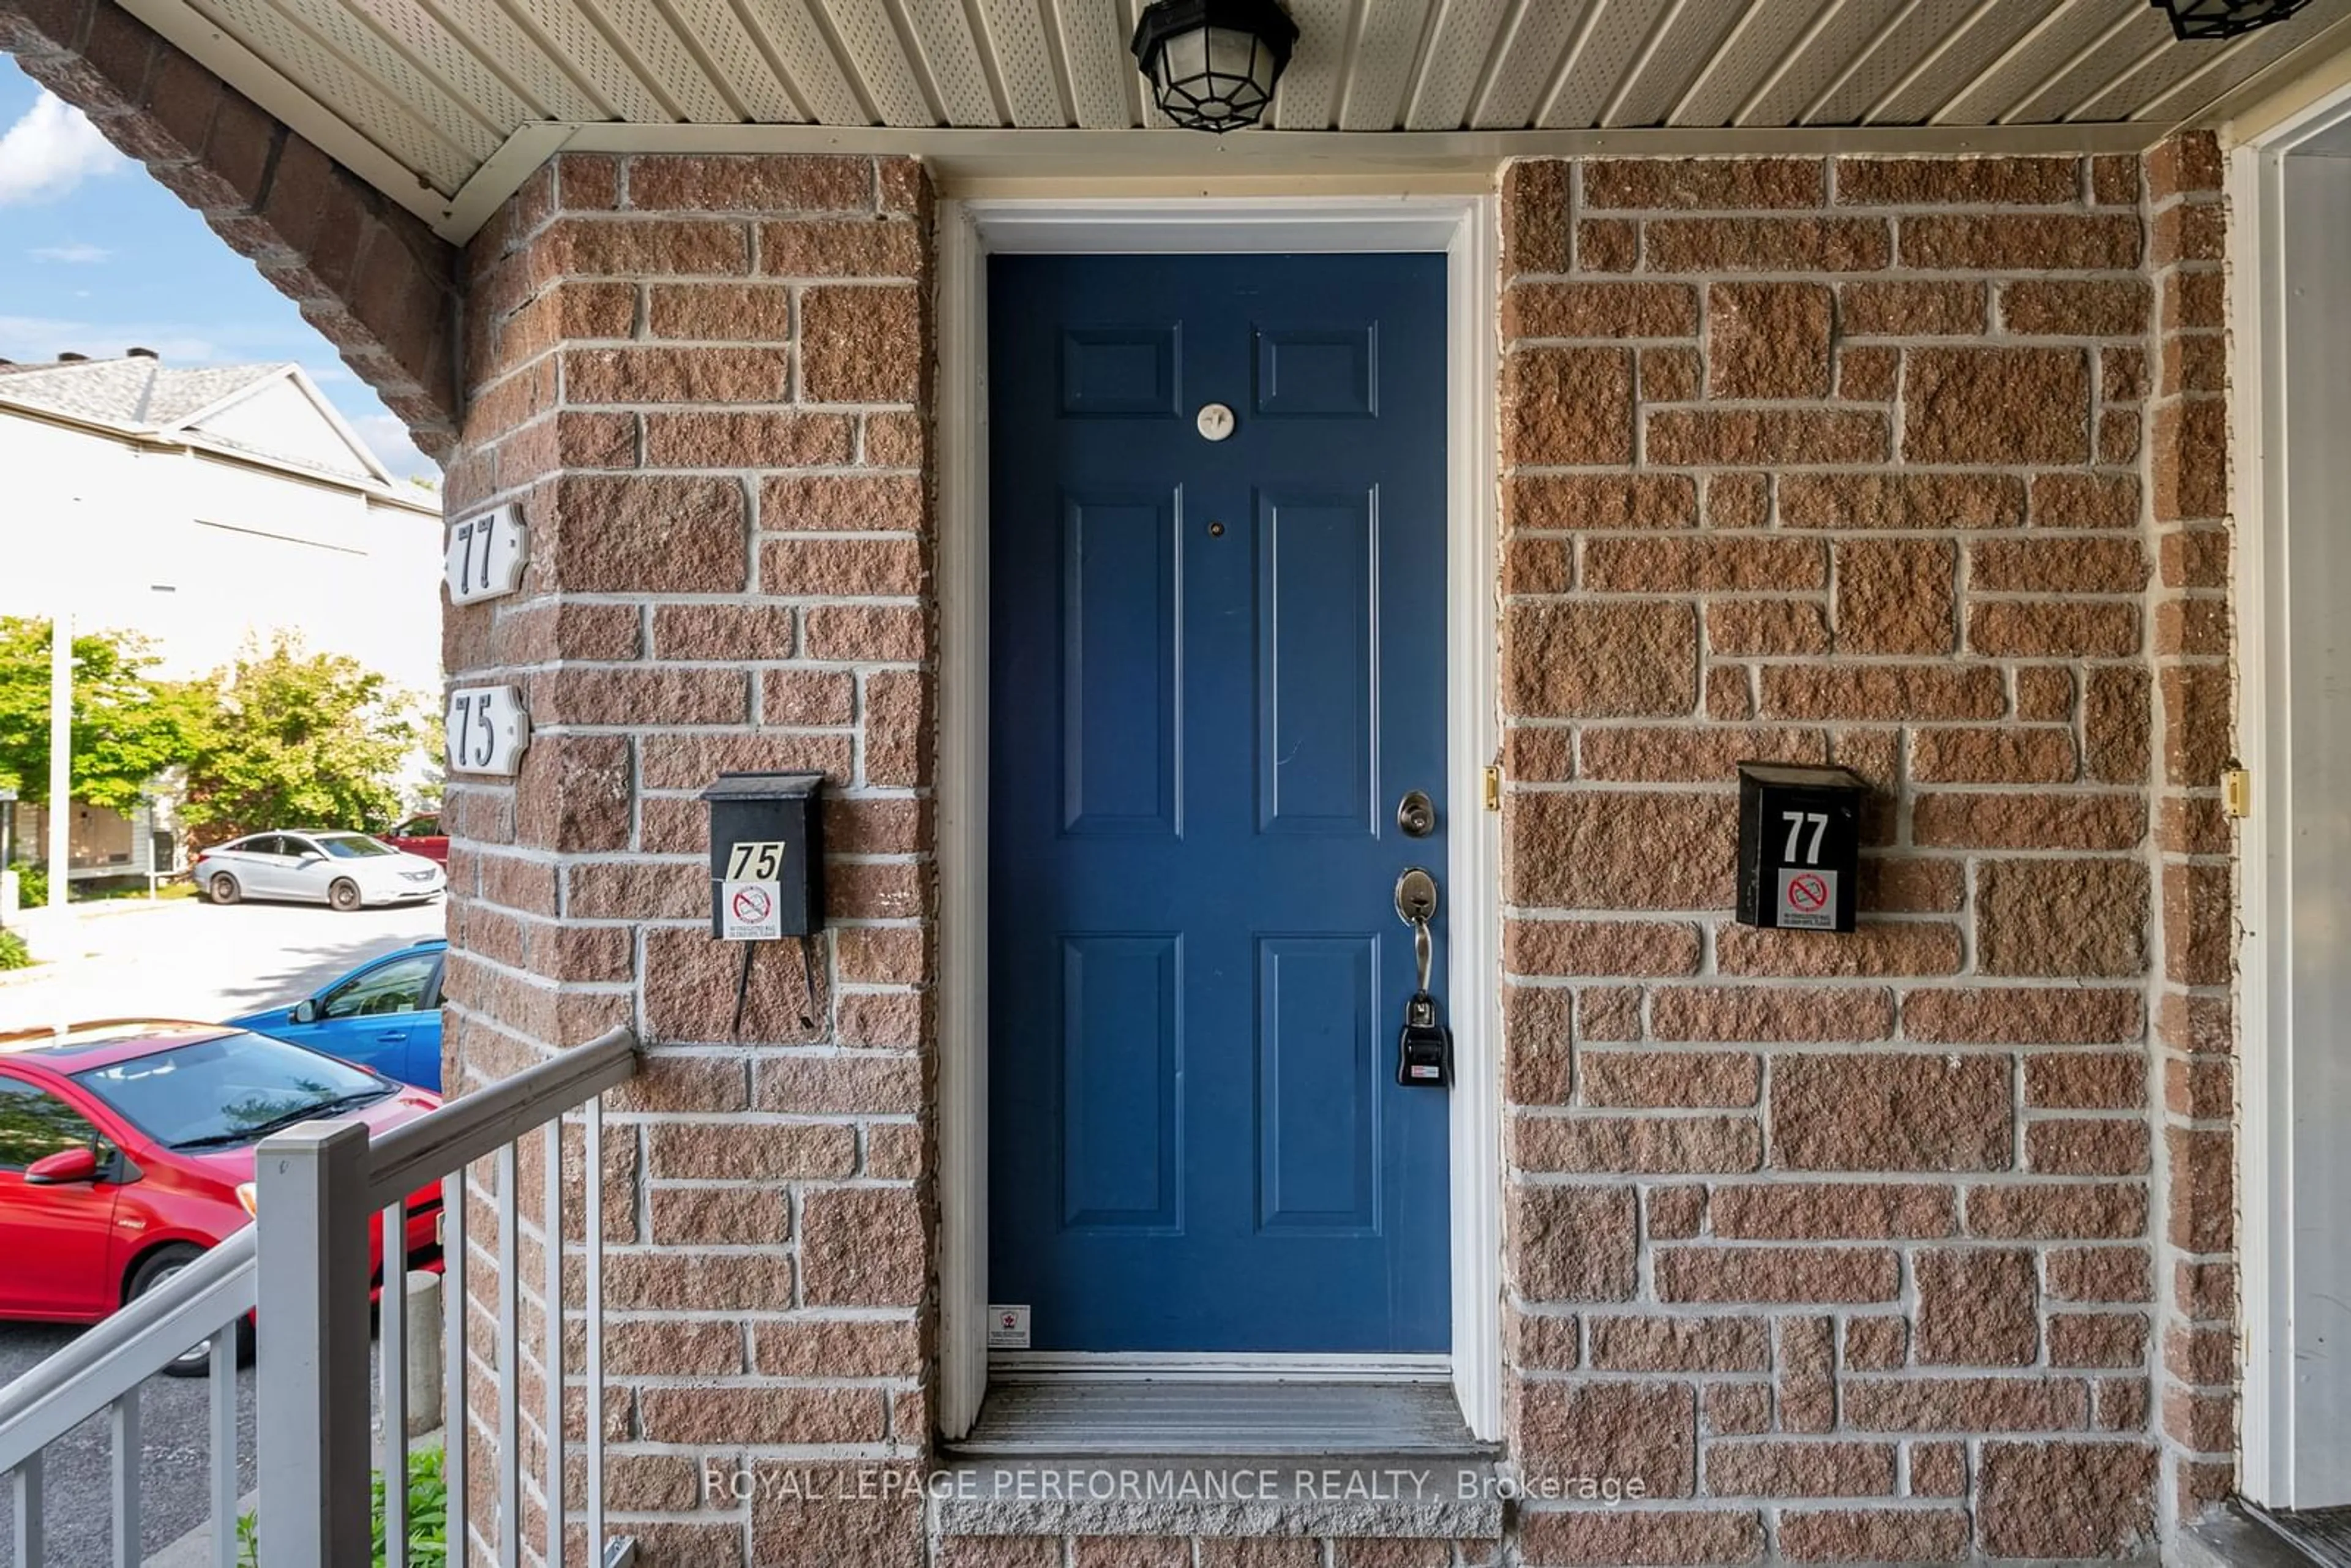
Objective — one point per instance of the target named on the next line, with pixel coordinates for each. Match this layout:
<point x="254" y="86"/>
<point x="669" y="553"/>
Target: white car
<point x="346" y="870"/>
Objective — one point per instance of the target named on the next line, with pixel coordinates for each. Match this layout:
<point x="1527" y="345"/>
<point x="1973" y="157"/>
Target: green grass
<point x="12" y="953"/>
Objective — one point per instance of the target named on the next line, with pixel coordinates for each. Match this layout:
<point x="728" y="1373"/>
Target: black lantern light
<point x="2225" y="18"/>
<point x="1212" y="64"/>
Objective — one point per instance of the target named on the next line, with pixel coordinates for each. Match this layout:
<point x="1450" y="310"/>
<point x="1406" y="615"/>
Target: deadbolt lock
<point x="1417" y="814"/>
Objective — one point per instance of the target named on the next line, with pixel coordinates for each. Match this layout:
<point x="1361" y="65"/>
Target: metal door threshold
<point x="1076" y="1418"/>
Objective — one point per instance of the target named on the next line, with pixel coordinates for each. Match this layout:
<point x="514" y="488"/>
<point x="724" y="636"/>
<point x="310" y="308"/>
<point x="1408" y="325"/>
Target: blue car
<point x="384" y="1016"/>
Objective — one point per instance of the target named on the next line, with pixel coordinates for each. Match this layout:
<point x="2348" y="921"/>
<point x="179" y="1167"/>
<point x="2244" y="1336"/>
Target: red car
<point x="421" y="836"/>
<point x="126" y="1149"/>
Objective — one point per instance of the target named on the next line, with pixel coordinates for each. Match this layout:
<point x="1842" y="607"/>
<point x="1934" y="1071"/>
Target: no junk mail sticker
<point x="750" y="912"/>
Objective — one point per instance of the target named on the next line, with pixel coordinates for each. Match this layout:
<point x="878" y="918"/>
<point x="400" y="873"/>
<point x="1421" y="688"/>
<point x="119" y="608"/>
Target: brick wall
<point x="377" y="283"/>
<point x="1906" y="1244"/>
<point x="1845" y="1243"/>
<point x="706" y="380"/>
<point x="2189" y="464"/>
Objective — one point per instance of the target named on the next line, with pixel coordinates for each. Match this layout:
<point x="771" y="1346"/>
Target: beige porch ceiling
<point x="421" y="96"/>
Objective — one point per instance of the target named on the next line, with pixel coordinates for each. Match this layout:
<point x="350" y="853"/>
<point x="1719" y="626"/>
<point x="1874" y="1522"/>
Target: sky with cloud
<point x="96" y="257"/>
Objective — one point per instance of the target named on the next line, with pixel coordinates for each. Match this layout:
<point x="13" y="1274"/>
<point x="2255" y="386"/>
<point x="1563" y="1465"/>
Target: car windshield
<point x="353" y="846"/>
<point x="229" y="1090"/>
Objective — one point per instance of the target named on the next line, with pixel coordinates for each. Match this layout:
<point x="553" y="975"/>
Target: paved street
<point x="180" y="959"/>
<point x="177" y="1483"/>
<point x="175" y="959"/>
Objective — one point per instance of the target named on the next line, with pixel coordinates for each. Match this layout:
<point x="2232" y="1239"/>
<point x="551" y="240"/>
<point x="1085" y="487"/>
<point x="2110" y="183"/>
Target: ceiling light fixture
<point x="1212" y="64"/>
<point x="2225" y="18"/>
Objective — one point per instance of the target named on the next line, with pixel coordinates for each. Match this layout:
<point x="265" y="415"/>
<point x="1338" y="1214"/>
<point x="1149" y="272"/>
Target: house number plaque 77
<point x="487" y="555"/>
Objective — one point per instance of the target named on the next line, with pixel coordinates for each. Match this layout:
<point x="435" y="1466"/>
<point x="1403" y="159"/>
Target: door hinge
<point x="1494" y="788"/>
<point x="2236" y="788"/>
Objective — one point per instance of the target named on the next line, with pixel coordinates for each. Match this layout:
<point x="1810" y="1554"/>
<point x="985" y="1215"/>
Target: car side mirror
<point x="65" y="1166"/>
<point x="304" y="1012"/>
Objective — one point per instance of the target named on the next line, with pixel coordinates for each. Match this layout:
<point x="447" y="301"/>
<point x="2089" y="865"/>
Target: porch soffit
<point x="447" y="105"/>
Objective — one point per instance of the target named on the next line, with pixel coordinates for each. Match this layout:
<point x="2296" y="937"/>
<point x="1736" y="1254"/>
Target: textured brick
<point x="1977" y="1307"/>
<point x="1876" y="948"/>
<point x="1669" y="1080"/>
<point x="2083" y="1211"/>
<point x="1600" y="501"/>
<point x="2050" y="307"/>
<point x="1883" y="692"/>
<point x="1766" y="244"/>
<point x="701" y="182"/>
<point x="2062" y="918"/>
<point x="2042" y="821"/>
<point x="1599" y="947"/>
<point x="1606" y="310"/>
<point x="1568" y="406"/>
<point x="1873" y="1535"/>
<point x="2077" y="1147"/>
<point x="1596" y="1539"/>
<point x="1584" y="660"/>
<point x="1963" y="1403"/>
<point x="1767" y="437"/>
<point x="1675" y="565"/>
<point x="1703" y="183"/>
<point x="1618" y="851"/>
<point x="1572" y="1243"/>
<point x="1969" y="181"/>
<point x="1901" y="500"/>
<point x="1616" y="1429"/>
<point x="1891" y="1112"/>
<point x="1680" y="1344"/>
<point x="1740" y="1013"/>
<point x="1896" y="596"/>
<point x="1996" y="406"/>
<point x="862" y="344"/>
<point x="1667" y="1146"/>
<point x="1777" y="1469"/>
<point x="1777" y="1274"/>
<point x="2042" y="243"/>
<point x="1913" y="309"/>
<point x="1767" y="341"/>
<point x="2065" y="1500"/>
<point x="1785" y="1211"/>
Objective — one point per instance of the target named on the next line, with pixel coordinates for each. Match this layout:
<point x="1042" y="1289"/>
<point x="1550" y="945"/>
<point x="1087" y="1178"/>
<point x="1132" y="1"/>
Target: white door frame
<point x="1466" y="229"/>
<point x="2294" y="1242"/>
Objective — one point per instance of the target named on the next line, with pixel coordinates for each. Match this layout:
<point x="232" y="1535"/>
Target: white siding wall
<point x="200" y="554"/>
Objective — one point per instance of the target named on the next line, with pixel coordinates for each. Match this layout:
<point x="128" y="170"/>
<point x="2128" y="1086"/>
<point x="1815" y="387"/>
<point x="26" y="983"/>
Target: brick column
<point x="706" y="380"/>
<point x="1829" y="460"/>
<point x="2189" y="460"/>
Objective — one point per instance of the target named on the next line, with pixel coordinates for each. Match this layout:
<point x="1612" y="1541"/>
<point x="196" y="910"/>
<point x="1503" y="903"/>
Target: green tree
<point x="128" y="726"/>
<point x="289" y="739"/>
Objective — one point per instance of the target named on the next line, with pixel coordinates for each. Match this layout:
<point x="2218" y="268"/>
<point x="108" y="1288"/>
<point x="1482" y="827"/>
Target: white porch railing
<point x="308" y="1258"/>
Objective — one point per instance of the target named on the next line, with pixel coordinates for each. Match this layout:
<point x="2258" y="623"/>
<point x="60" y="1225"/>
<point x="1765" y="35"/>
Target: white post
<point x="60" y="757"/>
<point x="311" y="1425"/>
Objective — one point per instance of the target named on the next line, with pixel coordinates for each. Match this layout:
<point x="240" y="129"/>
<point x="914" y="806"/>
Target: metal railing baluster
<point x="551" y="1230"/>
<point x="454" y="1425"/>
<point x="509" y="1368"/>
<point x="222" y="1402"/>
<point x="392" y="1335"/>
<point x="592" y="1227"/>
<point x="24" y="1492"/>
<point x="129" y="1549"/>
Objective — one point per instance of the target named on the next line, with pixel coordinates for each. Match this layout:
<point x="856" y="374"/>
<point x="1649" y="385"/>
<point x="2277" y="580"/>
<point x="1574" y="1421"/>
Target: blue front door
<point x="1217" y="666"/>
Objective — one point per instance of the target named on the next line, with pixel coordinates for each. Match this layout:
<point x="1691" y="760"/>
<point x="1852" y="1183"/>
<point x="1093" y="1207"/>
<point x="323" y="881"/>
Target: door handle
<point x="1424" y="1049"/>
<point x="393" y="1037"/>
<point x="1416" y="905"/>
